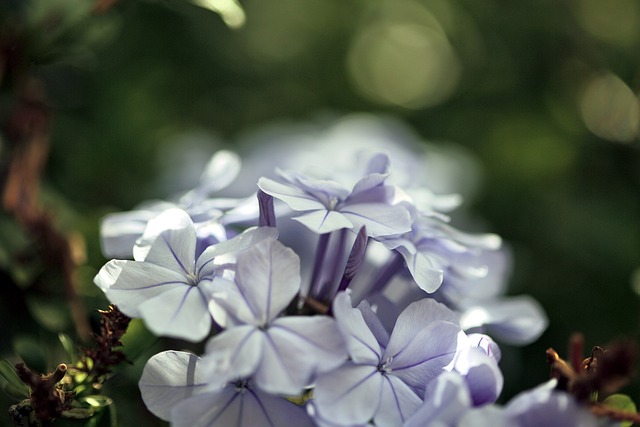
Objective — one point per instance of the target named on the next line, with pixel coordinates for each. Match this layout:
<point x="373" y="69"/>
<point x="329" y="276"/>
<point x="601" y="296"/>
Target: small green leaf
<point x="137" y="340"/>
<point x="49" y="313"/>
<point x="16" y="392"/>
<point x="95" y="411"/>
<point x="14" y="384"/>
<point x="97" y="401"/>
<point x="623" y="403"/>
<point x="78" y="413"/>
<point x="68" y="346"/>
<point x="31" y="352"/>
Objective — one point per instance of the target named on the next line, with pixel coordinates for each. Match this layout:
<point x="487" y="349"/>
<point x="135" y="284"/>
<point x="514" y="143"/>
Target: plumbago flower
<point x="450" y="404"/>
<point x="289" y="351"/>
<point x="466" y="272"/>
<point x="432" y="246"/>
<point x="281" y="353"/>
<point x="176" y="387"/>
<point x="166" y="285"/>
<point x="386" y="374"/>
<point x="328" y="205"/>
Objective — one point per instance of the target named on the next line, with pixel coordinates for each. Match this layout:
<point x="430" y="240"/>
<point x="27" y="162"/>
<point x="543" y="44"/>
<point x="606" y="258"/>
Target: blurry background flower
<point x="530" y="110"/>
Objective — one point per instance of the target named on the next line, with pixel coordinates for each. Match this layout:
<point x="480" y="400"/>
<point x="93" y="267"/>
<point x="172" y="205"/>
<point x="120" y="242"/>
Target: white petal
<point x="180" y="313"/>
<point x="219" y="408"/>
<point x="295" y="350"/>
<point x="373" y="323"/>
<point x="268" y="276"/>
<point x="220" y="171"/>
<point x="379" y="218"/>
<point x="486" y="344"/>
<point x="414" y="319"/>
<point x="349" y="395"/>
<point x="368" y="182"/>
<point x="119" y="232"/>
<point x="486" y="241"/>
<point x="426" y="274"/>
<point x="234" y="353"/>
<point x="109" y="273"/>
<point x="324" y="221"/>
<point x="362" y="345"/>
<point x="229" y="306"/>
<point x="294" y="197"/>
<point x="446" y="399"/>
<point x="169" y="378"/>
<point x="169" y="240"/>
<point x="516" y="320"/>
<point x="130" y="283"/>
<point x="426" y="355"/>
<point x="494" y="416"/>
<point x="398" y="402"/>
<point x="245" y="240"/>
<point x="482" y="375"/>
<point x="238" y="408"/>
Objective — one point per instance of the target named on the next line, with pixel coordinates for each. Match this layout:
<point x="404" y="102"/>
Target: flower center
<point x="384" y="367"/>
<point x="192" y="279"/>
<point x="333" y="202"/>
<point x="241" y="385"/>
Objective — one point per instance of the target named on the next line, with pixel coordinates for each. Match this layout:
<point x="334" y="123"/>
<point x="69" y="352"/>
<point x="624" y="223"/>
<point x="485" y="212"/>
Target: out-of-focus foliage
<point x="544" y="93"/>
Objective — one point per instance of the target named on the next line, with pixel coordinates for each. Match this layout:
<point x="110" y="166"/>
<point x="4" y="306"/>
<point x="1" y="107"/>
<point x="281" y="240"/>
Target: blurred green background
<point x="544" y="93"/>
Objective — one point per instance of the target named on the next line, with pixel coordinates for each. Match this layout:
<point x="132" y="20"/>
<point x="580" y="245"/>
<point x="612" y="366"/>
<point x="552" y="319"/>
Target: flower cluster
<point x="384" y="320"/>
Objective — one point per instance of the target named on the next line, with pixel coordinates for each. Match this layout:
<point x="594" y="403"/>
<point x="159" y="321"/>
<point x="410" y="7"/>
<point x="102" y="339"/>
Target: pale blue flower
<point x="433" y="247"/>
<point x="175" y="387"/>
<point x="166" y="285"/>
<point x="517" y="320"/>
<point x="477" y="362"/>
<point x="446" y="400"/>
<point x="386" y="375"/>
<point x="448" y="403"/>
<point x="281" y="353"/>
<point x="546" y="406"/>
<point x="329" y="205"/>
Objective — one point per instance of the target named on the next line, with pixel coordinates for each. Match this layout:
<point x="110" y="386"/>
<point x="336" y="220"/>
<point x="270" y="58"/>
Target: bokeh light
<point x="610" y="109"/>
<point x="613" y="21"/>
<point x="404" y="58"/>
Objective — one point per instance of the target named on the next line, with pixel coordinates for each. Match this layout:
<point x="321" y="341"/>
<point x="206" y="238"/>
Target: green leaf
<point x="15" y="387"/>
<point x="31" y="352"/>
<point x="16" y="393"/>
<point x="78" y="413"/>
<point x="623" y="403"/>
<point x="96" y="411"/>
<point x="49" y="313"/>
<point x="97" y="401"/>
<point x="69" y="347"/>
<point x="137" y="340"/>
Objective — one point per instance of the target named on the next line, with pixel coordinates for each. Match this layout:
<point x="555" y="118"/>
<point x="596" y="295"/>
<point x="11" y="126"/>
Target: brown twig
<point x="29" y="128"/>
<point x="600" y="374"/>
<point x="48" y="399"/>
<point x="104" y="356"/>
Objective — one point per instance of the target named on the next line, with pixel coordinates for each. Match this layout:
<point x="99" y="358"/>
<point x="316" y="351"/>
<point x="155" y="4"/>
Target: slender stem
<point x="390" y="269"/>
<point x="321" y="250"/>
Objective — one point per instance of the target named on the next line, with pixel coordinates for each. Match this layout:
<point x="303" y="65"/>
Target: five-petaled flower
<point x="166" y="285"/>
